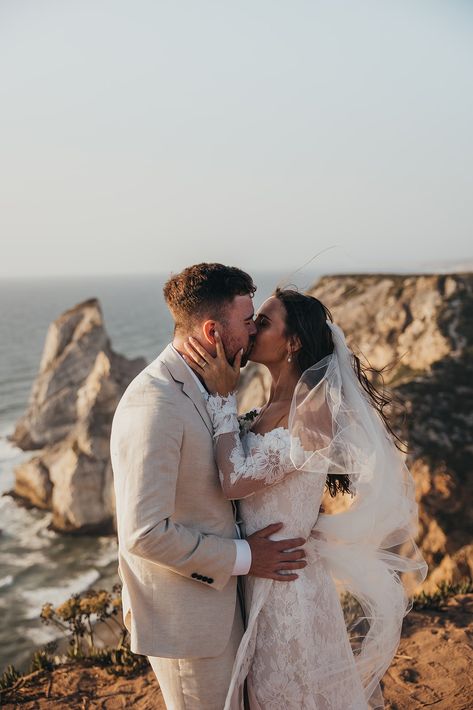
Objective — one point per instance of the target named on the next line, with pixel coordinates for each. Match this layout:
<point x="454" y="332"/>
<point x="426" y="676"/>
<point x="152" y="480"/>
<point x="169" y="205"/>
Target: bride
<point x="324" y="641"/>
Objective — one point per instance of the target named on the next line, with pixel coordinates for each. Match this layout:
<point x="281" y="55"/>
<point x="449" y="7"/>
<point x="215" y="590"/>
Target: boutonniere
<point x="245" y="420"/>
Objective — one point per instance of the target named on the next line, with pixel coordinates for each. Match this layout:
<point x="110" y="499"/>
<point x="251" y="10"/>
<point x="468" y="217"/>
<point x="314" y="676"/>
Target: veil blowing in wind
<point x="368" y="548"/>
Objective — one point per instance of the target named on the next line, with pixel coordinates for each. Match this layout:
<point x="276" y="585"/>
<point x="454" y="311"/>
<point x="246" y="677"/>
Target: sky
<point x="142" y="136"/>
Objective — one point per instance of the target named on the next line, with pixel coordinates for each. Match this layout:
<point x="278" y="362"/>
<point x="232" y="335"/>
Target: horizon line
<point x="434" y="269"/>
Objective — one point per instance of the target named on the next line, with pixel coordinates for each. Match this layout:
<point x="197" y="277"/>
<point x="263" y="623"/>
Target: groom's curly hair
<point x="204" y="290"/>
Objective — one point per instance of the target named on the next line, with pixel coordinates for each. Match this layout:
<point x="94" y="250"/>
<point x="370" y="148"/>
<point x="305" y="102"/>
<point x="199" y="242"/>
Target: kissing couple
<point x="238" y="589"/>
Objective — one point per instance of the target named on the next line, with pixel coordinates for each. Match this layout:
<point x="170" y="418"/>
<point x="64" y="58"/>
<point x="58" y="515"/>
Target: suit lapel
<point x="180" y="373"/>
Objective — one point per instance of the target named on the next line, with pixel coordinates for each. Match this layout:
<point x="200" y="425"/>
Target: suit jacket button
<point x="205" y="579"/>
<point x="210" y="580"/>
<point x="194" y="575"/>
<point x="199" y="576"/>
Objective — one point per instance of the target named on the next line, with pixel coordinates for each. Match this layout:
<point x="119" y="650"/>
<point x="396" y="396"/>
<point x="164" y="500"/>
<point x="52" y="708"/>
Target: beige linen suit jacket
<point x="175" y="528"/>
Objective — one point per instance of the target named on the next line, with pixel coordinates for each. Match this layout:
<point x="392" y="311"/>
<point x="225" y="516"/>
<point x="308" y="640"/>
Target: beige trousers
<point x="199" y="683"/>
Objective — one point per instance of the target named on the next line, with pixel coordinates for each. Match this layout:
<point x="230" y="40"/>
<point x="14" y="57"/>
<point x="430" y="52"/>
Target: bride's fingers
<point x="195" y="355"/>
<point x="200" y="350"/>
<point x="237" y="361"/>
<point x="192" y="364"/>
<point x="192" y="356"/>
<point x="219" y="346"/>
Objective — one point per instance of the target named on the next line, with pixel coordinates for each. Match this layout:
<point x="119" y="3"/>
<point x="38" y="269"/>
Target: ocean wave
<point x="109" y="555"/>
<point x="35" y="598"/>
<point x="10" y="457"/>
<point x="8" y="450"/>
<point x="27" y="528"/>
<point x="41" y="635"/>
<point x="6" y="581"/>
<point x="23" y="560"/>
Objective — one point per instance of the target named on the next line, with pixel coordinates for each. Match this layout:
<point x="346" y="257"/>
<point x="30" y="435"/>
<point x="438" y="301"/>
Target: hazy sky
<point x="141" y="136"/>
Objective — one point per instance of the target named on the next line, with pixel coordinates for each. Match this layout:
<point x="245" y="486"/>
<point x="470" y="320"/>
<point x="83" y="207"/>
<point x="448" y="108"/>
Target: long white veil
<point x="369" y="548"/>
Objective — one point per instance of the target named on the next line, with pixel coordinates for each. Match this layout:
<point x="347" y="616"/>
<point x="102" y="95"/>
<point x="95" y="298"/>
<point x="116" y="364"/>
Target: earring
<point x="289" y="358"/>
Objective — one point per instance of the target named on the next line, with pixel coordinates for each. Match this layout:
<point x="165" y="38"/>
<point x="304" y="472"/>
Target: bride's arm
<point x="242" y="473"/>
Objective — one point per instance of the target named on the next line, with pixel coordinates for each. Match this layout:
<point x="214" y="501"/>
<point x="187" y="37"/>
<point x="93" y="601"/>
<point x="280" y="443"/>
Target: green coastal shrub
<point x="76" y="619"/>
<point x="42" y="660"/>
<point x="444" y="591"/>
<point x="9" y="677"/>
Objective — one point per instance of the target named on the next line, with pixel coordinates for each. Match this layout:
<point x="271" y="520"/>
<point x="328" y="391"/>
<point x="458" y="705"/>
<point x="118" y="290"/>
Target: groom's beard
<point x="244" y="359"/>
<point x="246" y="355"/>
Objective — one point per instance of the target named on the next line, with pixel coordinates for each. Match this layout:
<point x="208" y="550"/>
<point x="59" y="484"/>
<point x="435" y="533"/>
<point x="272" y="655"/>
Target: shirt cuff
<point x="243" y="558"/>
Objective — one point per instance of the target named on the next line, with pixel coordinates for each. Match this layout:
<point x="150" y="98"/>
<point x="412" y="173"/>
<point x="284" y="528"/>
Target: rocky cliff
<point x="421" y="329"/>
<point x="74" y="396"/>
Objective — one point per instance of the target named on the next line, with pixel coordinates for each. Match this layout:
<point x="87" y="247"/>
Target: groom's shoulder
<point x="151" y="383"/>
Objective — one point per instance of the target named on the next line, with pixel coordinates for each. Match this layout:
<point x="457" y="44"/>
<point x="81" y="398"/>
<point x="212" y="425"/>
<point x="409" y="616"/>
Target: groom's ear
<point x="208" y="330"/>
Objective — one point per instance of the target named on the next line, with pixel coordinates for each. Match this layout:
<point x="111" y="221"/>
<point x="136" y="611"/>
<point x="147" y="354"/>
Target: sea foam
<point x="35" y="598"/>
<point x="6" y="581"/>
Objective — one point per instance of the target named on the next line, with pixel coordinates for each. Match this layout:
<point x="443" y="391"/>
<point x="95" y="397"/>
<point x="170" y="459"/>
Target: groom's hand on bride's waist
<point x="275" y="559"/>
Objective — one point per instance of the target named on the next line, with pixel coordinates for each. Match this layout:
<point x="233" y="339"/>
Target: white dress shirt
<point x="243" y="557"/>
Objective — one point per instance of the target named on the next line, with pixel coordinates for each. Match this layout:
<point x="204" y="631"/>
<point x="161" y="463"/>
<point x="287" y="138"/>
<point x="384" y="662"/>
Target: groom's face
<point x="238" y="329"/>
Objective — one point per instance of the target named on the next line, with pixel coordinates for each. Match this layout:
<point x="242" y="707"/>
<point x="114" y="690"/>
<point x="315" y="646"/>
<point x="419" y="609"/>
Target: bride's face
<point x="271" y="345"/>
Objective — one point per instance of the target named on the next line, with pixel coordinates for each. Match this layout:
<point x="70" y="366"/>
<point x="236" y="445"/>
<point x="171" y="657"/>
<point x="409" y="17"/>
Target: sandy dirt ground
<point x="433" y="668"/>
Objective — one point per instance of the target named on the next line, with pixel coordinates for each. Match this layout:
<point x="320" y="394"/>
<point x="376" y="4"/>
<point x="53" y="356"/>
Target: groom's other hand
<point x="275" y="559"/>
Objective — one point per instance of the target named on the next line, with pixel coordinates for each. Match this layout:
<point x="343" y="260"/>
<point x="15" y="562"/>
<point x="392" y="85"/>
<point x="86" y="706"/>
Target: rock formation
<point x="421" y="329"/>
<point x="69" y="417"/>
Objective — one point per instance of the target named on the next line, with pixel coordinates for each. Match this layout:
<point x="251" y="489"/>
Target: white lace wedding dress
<point x="295" y="651"/>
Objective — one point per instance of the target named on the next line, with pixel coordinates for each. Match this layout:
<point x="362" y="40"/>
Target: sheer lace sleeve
<point x="246" y="462"/>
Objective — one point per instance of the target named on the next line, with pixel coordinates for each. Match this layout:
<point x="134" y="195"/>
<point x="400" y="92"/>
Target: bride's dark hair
<point x="306" y="318"/>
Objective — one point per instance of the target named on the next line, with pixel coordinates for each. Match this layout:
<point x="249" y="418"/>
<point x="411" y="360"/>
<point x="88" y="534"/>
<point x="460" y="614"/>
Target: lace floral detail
<point x="295" y="651"/>
<point x="263" y="461"/>
<point x="223" y="413"/>
<point x="266" y="457"/>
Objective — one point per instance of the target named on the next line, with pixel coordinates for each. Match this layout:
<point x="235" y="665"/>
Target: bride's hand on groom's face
<point x="219" y="376"/>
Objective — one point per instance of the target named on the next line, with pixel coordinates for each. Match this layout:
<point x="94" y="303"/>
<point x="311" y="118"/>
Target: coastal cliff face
<point x="421" y="329"/>
<point x="74" y="396"/>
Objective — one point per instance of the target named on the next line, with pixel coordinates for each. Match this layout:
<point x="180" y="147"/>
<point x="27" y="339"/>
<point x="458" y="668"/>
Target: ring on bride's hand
<point x="204" y="364"/>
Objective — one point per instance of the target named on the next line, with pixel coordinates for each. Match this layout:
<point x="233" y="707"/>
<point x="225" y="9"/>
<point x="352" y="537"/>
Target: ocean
<point x="38" y="565"/>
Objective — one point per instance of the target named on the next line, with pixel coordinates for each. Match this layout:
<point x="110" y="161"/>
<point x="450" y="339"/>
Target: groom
<point x="179" y="549"/>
